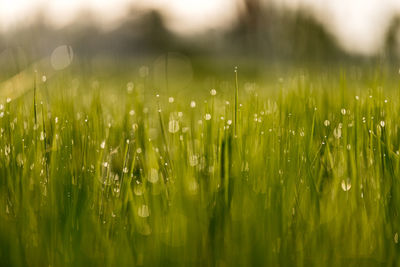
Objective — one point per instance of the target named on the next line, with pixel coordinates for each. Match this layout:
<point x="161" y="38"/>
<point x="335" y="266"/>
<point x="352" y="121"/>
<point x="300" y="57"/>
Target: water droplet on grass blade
<point x="193" y="160"/>
<point x="153" y="177"/>
<point x="337" y="132"/>
<point x="143" y="211"/>
<point x="346" y="185"/>
<point x="137" y="189"/>
<point x="192" y="186"/>
<point x="103" y="145"/>
<point x="173" y="126"/>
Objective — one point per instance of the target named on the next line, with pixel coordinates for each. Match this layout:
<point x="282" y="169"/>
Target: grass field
<point x="302" y="170"/>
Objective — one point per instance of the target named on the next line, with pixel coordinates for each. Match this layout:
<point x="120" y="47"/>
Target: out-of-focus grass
<point x="303" y="171"/>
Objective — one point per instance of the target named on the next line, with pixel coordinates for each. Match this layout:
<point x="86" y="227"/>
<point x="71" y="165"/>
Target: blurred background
<point x="196" y="36"/>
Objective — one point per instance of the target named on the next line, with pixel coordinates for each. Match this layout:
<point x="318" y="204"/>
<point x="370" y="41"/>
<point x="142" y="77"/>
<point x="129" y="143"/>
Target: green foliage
<point x="303" y="172"/>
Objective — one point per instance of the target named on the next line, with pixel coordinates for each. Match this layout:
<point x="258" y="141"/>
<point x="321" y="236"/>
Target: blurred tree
<point x="249" y="22"/>
<point x="391" y="50"/>
<point x="263" y="34"/>
<point x="264" y="31"/>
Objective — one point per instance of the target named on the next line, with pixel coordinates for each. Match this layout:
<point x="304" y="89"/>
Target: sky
<point x="359" y="25"/>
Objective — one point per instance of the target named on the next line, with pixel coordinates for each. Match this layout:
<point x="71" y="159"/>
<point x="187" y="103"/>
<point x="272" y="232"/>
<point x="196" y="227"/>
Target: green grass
<point x="298" y="171"/>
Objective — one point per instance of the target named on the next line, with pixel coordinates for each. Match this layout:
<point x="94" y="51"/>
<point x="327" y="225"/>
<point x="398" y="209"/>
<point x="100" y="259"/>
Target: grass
<point x="302" y="171"/>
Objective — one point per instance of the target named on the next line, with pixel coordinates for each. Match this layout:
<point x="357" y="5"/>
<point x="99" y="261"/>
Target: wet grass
<point x="303" y="171"/>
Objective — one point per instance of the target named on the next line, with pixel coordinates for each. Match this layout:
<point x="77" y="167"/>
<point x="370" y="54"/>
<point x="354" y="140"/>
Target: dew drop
<point x="138" y="190"/>
<point x="103" y="145"/>
<point x="153" y="177"/>
<point x="129" y="87"/>
<point x="192" y="186"/>
<point x="42" y="136"/>
<point x="337" y="132"/>
<point x="173" y="126"/>
<point x="143" y="211"/>
<point x="193" y="161"/>
<point x="346" y="185"/>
